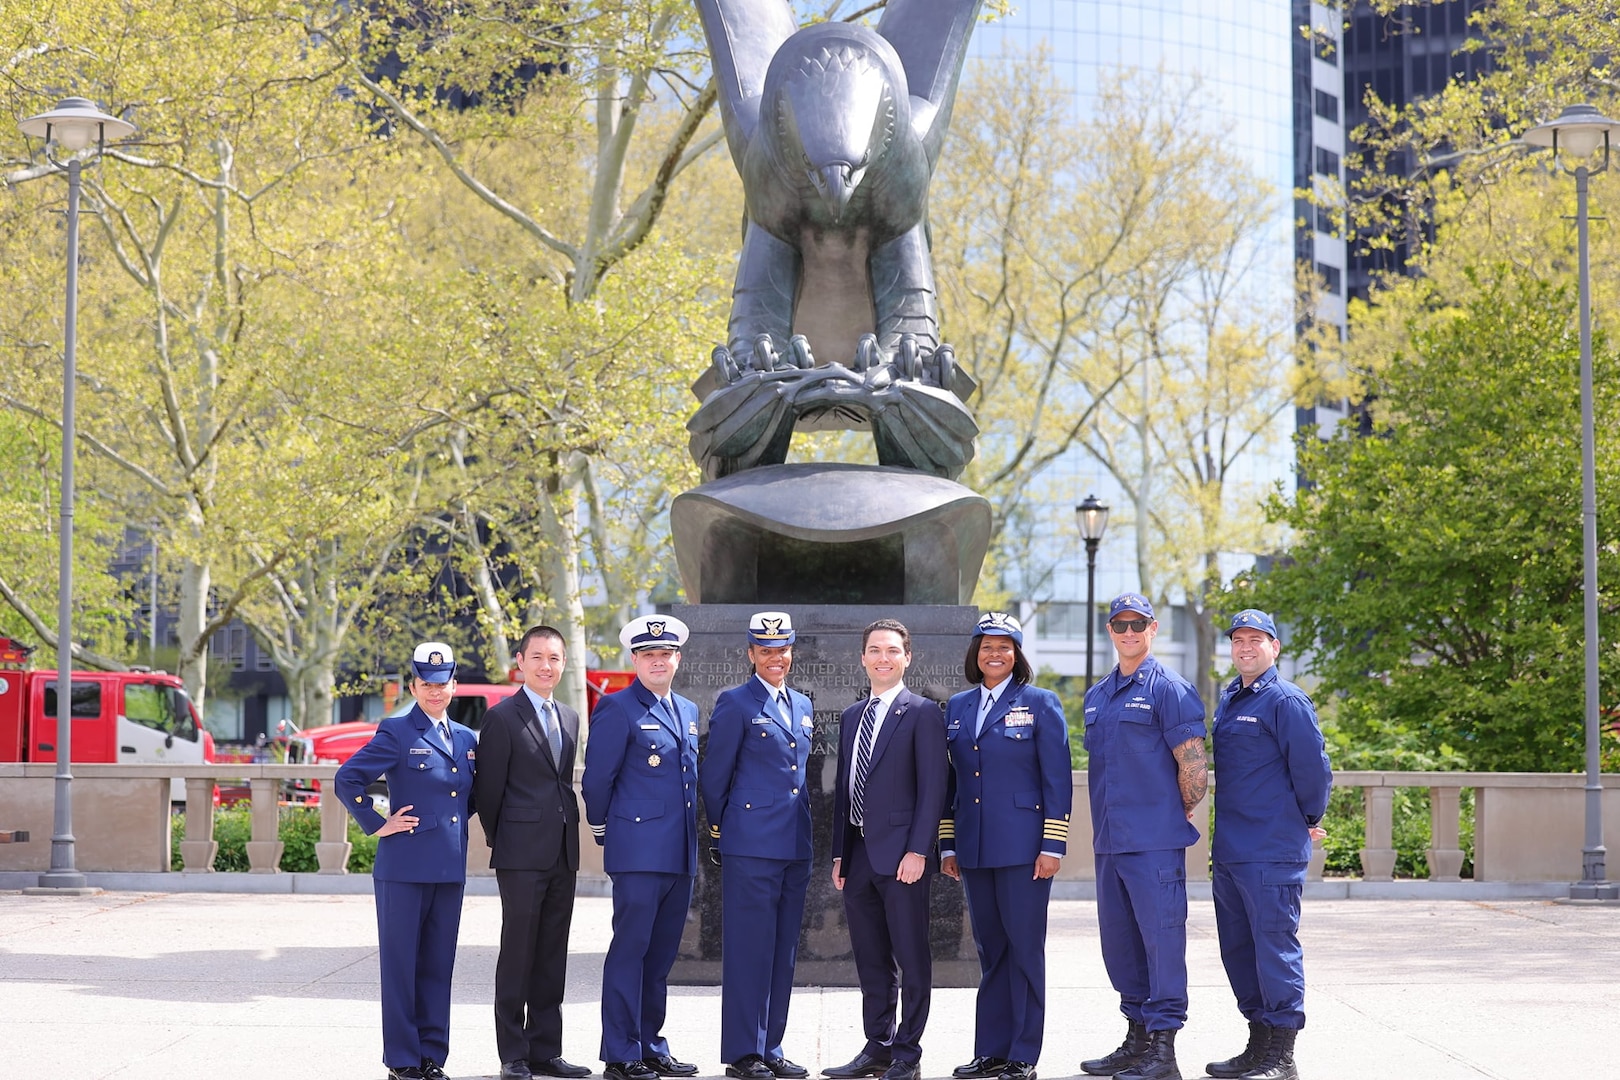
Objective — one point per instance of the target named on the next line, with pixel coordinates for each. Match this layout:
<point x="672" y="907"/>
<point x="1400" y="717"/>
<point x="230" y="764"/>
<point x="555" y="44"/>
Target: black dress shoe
<point x="864" y="1064"/>
<point x="1019" y="1070"/>
<point x="903" y="1070"/>
<point x="627" y="1070"/>
<point x="664" y="1065"/>
<point x="515" y="1070"/>
<point x="406" y="1072"/>
<point x="750" y="1067"/>
<point x="432" y="1070"/>
<point x="558" y="1067"/>
<point x="979" y="1067"/>
<point x="785" y="1069"/>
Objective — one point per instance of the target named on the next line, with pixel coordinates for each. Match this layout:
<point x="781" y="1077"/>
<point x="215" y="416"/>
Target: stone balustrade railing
<point x="1527" y="826"/>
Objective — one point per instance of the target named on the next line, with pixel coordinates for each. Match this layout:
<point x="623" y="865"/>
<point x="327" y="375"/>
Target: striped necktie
<point x="548" y="720"/>
<point x="863" y="762"/>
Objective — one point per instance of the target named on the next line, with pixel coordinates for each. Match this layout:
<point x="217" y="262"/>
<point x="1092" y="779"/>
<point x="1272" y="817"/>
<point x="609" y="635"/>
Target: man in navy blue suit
<point x="753" y="781"/>
<point x="640" y="788"/>
<point x="887" y="804"/>
<point x="421" y="866"/>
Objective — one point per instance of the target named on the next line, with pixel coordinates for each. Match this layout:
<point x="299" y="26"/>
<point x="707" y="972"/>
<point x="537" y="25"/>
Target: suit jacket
<point x="905" y="784"/>
<point x="526" y="802"/>
<point x="435" y="782"/>
<point x="753" y="774"/>
<point x="640" y="782"/>
<point x="1012" y="786"/>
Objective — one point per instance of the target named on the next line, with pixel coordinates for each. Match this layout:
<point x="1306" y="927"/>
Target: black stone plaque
<point x="827" y="669"/>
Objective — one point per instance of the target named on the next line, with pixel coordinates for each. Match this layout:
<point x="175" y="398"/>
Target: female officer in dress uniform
<point x="421" y="867"/>
<point x="1004" y="837"/>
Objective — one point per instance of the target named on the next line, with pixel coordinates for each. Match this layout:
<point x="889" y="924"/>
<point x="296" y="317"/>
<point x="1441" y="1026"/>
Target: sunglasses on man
<point x="1135" y="626"/>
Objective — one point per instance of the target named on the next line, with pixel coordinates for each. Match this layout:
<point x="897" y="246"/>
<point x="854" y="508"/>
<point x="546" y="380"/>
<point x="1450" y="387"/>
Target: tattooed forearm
<point x="1193" y="769"/>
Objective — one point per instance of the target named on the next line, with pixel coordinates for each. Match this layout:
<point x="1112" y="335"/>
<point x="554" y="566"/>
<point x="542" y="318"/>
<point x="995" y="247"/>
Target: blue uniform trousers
<point x="763" y="904"/>
<point x="1007" y="906"/>
<point x="1142" y="918"/>
<point x="417" y="924"/>
<point x="1257" y="920"/>
<point x="649" y="912"/>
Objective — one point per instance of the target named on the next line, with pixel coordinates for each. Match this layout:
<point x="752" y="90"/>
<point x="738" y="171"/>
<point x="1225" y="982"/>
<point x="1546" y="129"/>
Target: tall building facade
<point x="1269" y="77"/>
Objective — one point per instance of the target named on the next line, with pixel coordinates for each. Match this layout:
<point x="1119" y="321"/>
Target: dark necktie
<point x="863" y="762"/>
<point x="548" y="720"/>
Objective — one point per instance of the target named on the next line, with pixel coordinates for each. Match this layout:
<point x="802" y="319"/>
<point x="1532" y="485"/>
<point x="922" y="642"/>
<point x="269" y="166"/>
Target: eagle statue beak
<point x="836" y="184"/>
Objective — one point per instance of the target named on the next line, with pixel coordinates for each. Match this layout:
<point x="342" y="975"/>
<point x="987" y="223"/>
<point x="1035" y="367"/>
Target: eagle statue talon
<point x="799" y="352"/>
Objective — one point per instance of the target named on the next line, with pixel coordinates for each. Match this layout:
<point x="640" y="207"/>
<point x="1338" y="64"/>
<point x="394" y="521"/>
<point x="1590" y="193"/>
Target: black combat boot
<point x="1129" y="1053"/>
<point x="1159" y="1063"/>
<point x="1253" y="1054"/>
<point x="1278" y="1062"/>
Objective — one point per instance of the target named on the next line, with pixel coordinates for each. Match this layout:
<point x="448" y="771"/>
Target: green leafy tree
<point x="1437" y="564"/>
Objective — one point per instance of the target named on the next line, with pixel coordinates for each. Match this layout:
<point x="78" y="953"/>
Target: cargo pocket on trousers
<point x="1282" y="895"/>
<point x="1172" y="897"/>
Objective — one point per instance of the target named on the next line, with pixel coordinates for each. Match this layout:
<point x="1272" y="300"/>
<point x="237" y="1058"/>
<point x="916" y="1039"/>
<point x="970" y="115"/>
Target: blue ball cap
<point x="771" y="629"/>
<point x="1253" y="619"/>
<point x="653" y="632"/>
<point x="1130" y="602"/>
<point x="1000" y="624"/>
<point x="433" y="662"/>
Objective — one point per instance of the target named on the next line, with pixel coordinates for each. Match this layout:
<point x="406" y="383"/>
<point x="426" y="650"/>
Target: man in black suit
<point x="526" y="801"/>
<point x="887" y="803"/>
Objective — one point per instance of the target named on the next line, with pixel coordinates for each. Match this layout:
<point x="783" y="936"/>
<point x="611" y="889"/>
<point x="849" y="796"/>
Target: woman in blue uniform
<point x="421" y="867"/>
<point x="1004" y="838"/>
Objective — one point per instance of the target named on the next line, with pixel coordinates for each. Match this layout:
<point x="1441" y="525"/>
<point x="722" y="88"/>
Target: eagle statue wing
<point x="743" y="35"/>
<point x="931" y="37"/>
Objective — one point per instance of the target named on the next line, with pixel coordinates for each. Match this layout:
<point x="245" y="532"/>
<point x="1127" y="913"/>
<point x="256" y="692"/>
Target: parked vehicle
<point x="118" y="716"/>
<point x="333" y="744"/>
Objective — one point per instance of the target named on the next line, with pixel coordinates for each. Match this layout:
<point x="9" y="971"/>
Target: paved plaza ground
<point x="187" y="986"/>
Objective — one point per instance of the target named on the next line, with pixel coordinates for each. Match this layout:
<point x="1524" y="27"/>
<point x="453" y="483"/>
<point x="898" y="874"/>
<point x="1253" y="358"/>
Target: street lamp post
<point x="71" y="127"/>
<point x="1092" y="517"/>
<point x="1579" y="131"/>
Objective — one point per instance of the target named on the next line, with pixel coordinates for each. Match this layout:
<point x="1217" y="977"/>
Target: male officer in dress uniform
<point x="640" y="788"/>
<point x="888" y="800"/>
<point x="421" y="866"/>
<point x="1147" y="772"/>
<point x="530" y="815"/>
<point x="1274" y="782"/>
<point x="754" y="790"/>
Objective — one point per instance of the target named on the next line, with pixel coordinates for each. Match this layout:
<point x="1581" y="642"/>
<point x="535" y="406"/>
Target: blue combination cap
<point x="653" y="632"/>
<point x="1000" y="624"/>
<point x="1253" y="619"/>
<point x="433" y="662"/>
<point x="1130" y="602"/>
<point x="772" y="629"/>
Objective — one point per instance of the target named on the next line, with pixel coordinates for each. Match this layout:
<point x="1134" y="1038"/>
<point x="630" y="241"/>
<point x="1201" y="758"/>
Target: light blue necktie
<point x="548" y="720"/>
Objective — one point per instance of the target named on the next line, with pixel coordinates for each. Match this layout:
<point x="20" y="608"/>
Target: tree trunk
<point x="196" y="579"/>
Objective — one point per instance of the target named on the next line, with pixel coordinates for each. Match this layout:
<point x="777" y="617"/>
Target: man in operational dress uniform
<point x="530" y="815"/>
<point x="1147" y="773"/>
<point x="640" y="788"/>
<point x="753" y="781"/>
<point x="421" y="866"/>
<point x="1273" y="782"/>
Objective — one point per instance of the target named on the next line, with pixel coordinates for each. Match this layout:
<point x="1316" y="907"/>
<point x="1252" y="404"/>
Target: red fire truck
<point x="118" y="716"/>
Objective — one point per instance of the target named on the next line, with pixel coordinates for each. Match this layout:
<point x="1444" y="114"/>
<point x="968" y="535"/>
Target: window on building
<point x="1327" y="162"/>
<point x="1324" y="48"/>
<point x="1332" y="278"/>
<point x="1327" y="220"/>
<point x="1327" y="106"/>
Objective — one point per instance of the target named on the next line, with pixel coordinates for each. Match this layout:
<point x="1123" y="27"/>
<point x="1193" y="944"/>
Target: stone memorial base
<point x="827" y="669"/>
<point x="830" y="534"/>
